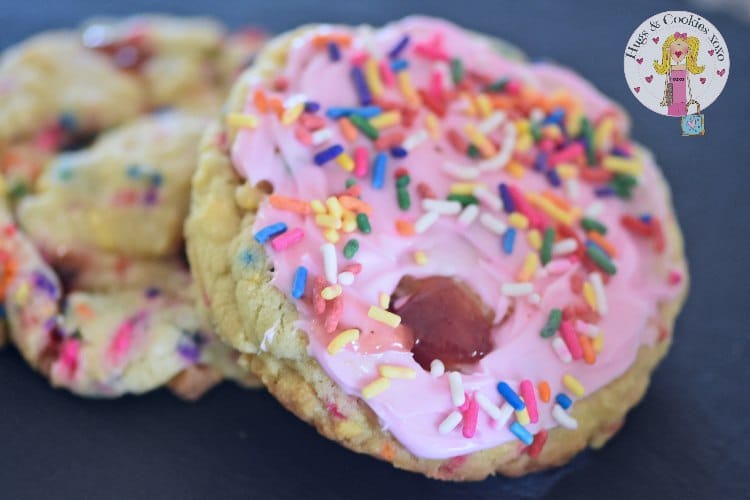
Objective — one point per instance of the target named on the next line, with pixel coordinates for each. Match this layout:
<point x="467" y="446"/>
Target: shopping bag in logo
<point x="693" y="124"/>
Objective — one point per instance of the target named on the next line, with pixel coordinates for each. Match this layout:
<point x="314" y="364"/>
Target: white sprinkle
<point x="468" y="215"/>
<point x="536" y="115"/>
<point x="517" y="289"/>
<point x="587" y="328"/>
<point x="425" y="222"/>
<point x="485" y="196"/>
<point x="562" y="417"/>
<point x="466" y="173"/>
<point x="321" y="136"/>
<point x="450" y="422"/>
<point x="346" y="278"/>
<point x="594" y="209"/>
<point x="437" y="368"/>
<point x="293" y="100"/>
<point x="415" y="139"/>
<point x="561" y="349"/>
<point x="457" y="388"/>
<point x="501" y="159"/>
<point x="564" y="247"/>
<point x="572" y="188"/>
<point x="330" y="265"/>
<point x="535" y="298"/>
<point x="601" y="297"/>
<point x="443" y="207"/>
<point x="492" y="223"/>
<point x="500" y="415"/>
<point x="558" y="266"/>
<point x="490" y="123"/>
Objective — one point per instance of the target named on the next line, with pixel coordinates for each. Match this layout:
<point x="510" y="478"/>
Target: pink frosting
<point x="412" y="409"/>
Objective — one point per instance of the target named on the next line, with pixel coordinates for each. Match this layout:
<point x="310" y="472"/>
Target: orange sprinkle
<point x="557" y="200"/>
<point x="602" y="242"/>
<point x="277" y="106"/>
<point x="388" y="453"/>
<point x="404" y="227"/>
<point x="589" y="355"/>
<point x="289" y="204"/>
<point x="544" y="391"/>
<point x="322" y="41"/>
<point x="260" y="101"/>
<point x="84" y="311"/>
<point x="349" y="130"/>
<point x="355" y="205"/>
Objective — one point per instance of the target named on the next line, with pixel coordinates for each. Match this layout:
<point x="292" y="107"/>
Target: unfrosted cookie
<point x="436" y="254"/>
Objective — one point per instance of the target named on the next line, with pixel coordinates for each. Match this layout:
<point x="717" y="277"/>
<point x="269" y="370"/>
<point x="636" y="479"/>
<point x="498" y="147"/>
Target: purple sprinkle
<point x="399" y="47"/>
<point x="540" y="162"/>
<point x="334" y="53"/>
<point x="604" y="191"/>
<point x="152" y="292"/>
<point x="191" y="352"/>
<point x="42" y="282"/>
<point x="507" y="199"/>
<point x="553" y="178"/>
<point x="312" y="107"/>
<point x="151" y="197"/>
<point x="618" y="151"/>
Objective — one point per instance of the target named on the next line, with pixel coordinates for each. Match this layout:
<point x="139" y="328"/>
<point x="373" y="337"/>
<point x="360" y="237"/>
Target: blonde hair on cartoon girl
<point x="691" y="60"/>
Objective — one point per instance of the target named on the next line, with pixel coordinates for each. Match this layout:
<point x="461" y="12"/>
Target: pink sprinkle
<point x="470" y="418"/>
<point x="546" y="145"/>
<point x="333" y="314"/>
<point x="513" y="87"/>
<point x="359" y="58"/>
<point x="121" y="343"/>
<point x="675" y="277"/>
<point x="527" y="393"/>
<point x="360" y="161"/>
<point x="467" y="401"/>
<point x="431" y="52"/>
<point x="354" y="268"/>
<point x="49" y="139"/>
<point x="386" y="73"/>
<point x="558" y="266"/>
<point x="303" y="135"/>
<point x="568" y="154"/>
<point x="568" y="334"/>
<point x="319" y="303"/>
<point x="285" y="240"/>
<point x="436" y="83"/>
<point x="67" y="363"/>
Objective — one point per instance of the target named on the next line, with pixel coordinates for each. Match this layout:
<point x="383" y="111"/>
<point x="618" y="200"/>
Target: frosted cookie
<point x="433" y="252"/>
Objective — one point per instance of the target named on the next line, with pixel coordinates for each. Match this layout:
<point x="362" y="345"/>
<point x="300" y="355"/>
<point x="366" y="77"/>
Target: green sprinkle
<point x="472" y="151"/>
<point x="601" y="260"/>
<point x="553" y="323"/>
<point x="404" y="201"/>
<point x="546" y="251"/>
<point x="403" y="181"/>
<point x="363" y="223"/>
<point x="497" y="86"/>
<point x="588" y="134"/>
<point x="536" y="132"/>
<point x="457" y="70"/>
<point x="464" y="199"/>
<point x="364" y="126"/>
<point x="17" y="191"/>
<point x="590" y="224"/>
<point x="623" y="185"/>
<point x="350" y="182"/>
<point x="351" y="248"/>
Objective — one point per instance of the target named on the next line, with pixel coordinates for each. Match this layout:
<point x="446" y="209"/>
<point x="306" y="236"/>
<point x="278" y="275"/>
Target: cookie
<point x="434" y="253"/>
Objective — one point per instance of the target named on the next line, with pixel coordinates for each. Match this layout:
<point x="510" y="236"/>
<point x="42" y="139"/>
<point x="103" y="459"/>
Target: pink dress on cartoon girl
<point x="678" y="77"/>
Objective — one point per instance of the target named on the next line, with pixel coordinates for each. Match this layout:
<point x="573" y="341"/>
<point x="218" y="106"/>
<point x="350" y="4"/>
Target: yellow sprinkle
<point x="433" y="125"/>
<point x="384" y="300"/>
<point x="515" y="169"/>
<point x="518" y="220"/>
<point x="372" y="75"/>
<point x="317" y="207"/>
<point x="603" y="133"/>
<point x="328" y="221"/>
<point x="573" y="385"/>
<point x="22" y="293"/>
<point x="420" y="258"/>
<point x="523" y="126"/>
<point x="573" y="123"/>
<point x="240" y="120"/>
<point x="394" y="371"/>
<point x="599" y="342"/>
<point x="523" y="416"/>
<point x="551" y="209"/>
<point x="331" y="292"/>
<point x="484" y="105"/>
<point x="349" y="222"/>
<point x="588" y="294"/>
<point x="334" y="207"/>
<point x="387" y="119"/>
<point x="463" y="187"/>
<point x="530" y="265"/>
<point x="376" y="386"/>
<point x="567" y="171"/>
<point x="290" y="115"/>
<point x="342" y="340"/>
<point x="480" y="140"/>
<point x="621" y="165"/>
<point x="345" y="161"/>
<point x="534" y="237"/>
<point x="551" y="131"/>
<point x="383" y="316"/>
<point x="331" y="235"/>
<point x="524" y="142"/>
<point x="407" y="88"/>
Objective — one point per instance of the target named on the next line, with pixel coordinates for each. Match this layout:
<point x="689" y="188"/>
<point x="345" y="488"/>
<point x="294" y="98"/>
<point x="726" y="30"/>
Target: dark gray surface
<point x="688" y="439"/>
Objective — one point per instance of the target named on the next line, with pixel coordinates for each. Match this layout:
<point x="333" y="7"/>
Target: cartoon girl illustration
<point x="679" y="55"/>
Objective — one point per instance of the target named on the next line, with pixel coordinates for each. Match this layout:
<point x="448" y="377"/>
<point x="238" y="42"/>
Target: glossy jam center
<point x="446" y="319"/>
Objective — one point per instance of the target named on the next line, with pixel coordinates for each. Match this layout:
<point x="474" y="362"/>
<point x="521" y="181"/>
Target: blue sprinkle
<point x="152" y="292"/>
<point x="399" y="65"/>
<point x="312" y="107"/>
<point x="563" y="400"/>
<point x="360" y="85"/>
<point x="646" y="218"/>
<point x="510" y="396"/>
<point x="540" y="162"/>
<point x="2" y="311"/>
<point x="618" y="151"/>
<point x="335" y="112"/>
<point x="133" y="171"/>
<point x="508" y="239"/>
<point x="300" y="279"/>
<point x="157" y="180"/>
<point x="269" y="232"/>
<point x="333" y="51"/>
<point x="521" y="433"/>
<point x="604" y="191"/>
<point x="399" y="47"/>
<point x="507" y="200"/>
<point x="378" y="170"/>
<point x="68" y="121"/>
<point x="247" y="257"/>
<point x="328" y="154"/>
<point x="399" y="152"/>
<point x="556" y="117"/>
<point x="553" y="178"/>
